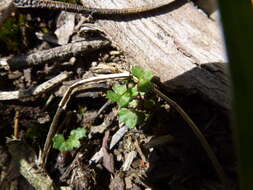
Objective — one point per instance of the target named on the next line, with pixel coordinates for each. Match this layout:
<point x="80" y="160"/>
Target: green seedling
<point x="128" y="97"/>
<point x="72" y="142"/>
<point x="144" y="79"/>
<point x="122" y="95"/>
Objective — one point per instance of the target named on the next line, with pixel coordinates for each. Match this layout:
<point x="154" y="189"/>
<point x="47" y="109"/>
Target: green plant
<point x="72" y="142"/>
<point x="131" y="97"/>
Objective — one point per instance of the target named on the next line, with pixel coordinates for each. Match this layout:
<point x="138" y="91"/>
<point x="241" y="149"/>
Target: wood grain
<point x="179" y="43"/>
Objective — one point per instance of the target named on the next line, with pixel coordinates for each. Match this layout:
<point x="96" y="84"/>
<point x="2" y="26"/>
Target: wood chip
<point x="108" y="161"/>
<point x="129" y="159"/>
<point x="67" y="22"/>
<point x="117" y="136"/>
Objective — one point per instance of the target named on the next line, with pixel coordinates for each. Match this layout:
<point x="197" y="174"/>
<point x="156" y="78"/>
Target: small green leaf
<point x="58" y="140"/>
<point x="72" y="142"/>
<point x="138" y="72"/>
<point x="112" y="96"/>
<point x="133" y="104"/>
<point x="145" y="85"/>
<point x="124" y="99"/>
<point x="119" y="89"/>
<point x="78" y="133"/>
<point x="65" y="147"/>
<point x="148" y="75"/>
<point x="44" y="30"/>
<point x="133" y="91"/>
<point x="130" y="118"/>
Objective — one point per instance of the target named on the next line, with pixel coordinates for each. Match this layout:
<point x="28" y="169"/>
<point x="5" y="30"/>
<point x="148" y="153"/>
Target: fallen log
<point x="178" y="42"/>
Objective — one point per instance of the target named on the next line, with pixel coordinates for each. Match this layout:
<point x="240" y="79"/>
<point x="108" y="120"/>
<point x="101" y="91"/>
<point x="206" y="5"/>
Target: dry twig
<point x="42" y="88"/>
<point x="61" y="53"/>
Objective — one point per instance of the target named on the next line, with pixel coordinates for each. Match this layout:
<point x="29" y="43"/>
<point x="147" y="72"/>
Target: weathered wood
<point x="179" y="43"/>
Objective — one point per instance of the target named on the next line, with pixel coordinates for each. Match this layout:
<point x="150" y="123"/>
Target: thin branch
<point x="61" y="53"/>
<point x="42" y="88"/>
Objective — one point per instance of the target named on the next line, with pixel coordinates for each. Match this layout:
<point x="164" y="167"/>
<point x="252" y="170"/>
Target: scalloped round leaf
<point x="124" y="99"/>
<point x="145" y="86"/>
<point x="119" y="89"/>
<point x="138" y="72"/>
<point x="129" y="117"/>
<point x="78" y="133"/>
<point x="58" y="140"/>
<point x="112" y="96"/>
<point x="133" y="103"/>
<point x="133" y="90"/>
<point x="73" y="142"/>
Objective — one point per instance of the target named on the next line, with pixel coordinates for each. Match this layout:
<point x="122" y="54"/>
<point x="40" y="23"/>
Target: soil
<point x="166" y="153"/>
